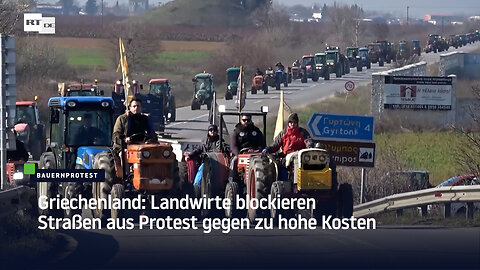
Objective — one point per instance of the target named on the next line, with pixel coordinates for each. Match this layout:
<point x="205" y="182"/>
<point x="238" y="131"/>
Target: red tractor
<point x="250" y="182"/>
<point x="29" y="129"/>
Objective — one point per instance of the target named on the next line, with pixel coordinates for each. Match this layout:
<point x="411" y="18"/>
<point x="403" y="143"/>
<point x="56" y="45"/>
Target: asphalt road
<point x="385" y="247"/>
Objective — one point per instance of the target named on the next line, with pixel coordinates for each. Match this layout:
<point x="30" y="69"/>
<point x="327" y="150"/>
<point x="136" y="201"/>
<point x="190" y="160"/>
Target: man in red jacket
<point x="291" y="139"/>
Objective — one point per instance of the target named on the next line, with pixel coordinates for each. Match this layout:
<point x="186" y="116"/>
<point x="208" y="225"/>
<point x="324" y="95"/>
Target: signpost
<point x="350" y="86"/>
<point x="341" y="127"/>
<point x="347" y="138"/>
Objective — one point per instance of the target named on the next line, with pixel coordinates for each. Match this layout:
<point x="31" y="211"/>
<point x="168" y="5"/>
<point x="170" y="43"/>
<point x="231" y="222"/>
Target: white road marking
<point x="195" y="118"/>
<point x="258" y="101"/>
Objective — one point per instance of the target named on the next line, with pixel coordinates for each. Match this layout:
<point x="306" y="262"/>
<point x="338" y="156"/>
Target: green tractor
<point x="161" y="87"/>
<point x="333" y="62"/>
<point x="232" y="84"/>
<point x="352" y="53"/>
<point x="321" y="65"/>
<point x="203" y="91"/>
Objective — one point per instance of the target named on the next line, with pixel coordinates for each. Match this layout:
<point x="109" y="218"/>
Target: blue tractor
<point x="80" y="129"/>
<point x="280" y="77"/>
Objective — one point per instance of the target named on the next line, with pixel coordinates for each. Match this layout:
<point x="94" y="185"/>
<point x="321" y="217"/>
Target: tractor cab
<point x="308" y="61"/>
<point x="232" y="85"/>
<point x="352" y="52"/>
<point x="416" y="47"/>
<point x="162" y="88"/>
<point x="28" y="127"/>
<point x="80" y="130"/>
<point x="74" y="90"/>
<point x="203" y="91"/>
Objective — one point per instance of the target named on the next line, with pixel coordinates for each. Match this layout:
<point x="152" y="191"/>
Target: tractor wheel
<point x="118" y="192"/>
<point x="207" y="188"/>
<point x="369" y="65"/>
<point x="326" y="76"/>
<point x="289" y="76"/>
<point x="347" y="67"/>
<point x="209" y="104"/>
<point x="265" y="89"/>
<point x="278" y="191"/>
<point x="257" y="185"/>
<point x="47" y="189"/>
<point x="195" y="105"/>
<point x="338" y="73"/>
<point x="381" y="63"/>
<point x="285" y="84"/>
<point x="345" y="204"/>
<point x="231" y="192"/>
<point x="69" y="193"/>
<point x="359" y="67"/>
<point x="253" y="90"/>
<point x="304" y="78"/>
<point x="103" y="161"/>
<point x="277" y="86"/>
<point x="173" y="110"/>
<point x="228" y="95"/>
<point x="315" y="77"/>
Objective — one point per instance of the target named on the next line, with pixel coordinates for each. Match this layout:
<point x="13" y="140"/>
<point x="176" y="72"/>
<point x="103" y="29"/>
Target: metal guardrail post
<point x="447" y="210"/>
<point x="470" y="210"/>
<point x="399" y="213"/>
<point x="424" y="211"/>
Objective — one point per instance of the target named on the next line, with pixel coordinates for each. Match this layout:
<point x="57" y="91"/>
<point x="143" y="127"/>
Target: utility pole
<point x="102" y="13"/>
<point x="407" y="14"/>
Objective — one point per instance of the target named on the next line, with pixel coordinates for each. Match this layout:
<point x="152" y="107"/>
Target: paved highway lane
<point x="383" y="248"/>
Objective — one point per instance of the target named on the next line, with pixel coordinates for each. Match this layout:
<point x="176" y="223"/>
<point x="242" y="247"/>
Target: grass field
<point x="86" y="52"/>
<point x="430" y="151"/>
<point x="87" y="58"/>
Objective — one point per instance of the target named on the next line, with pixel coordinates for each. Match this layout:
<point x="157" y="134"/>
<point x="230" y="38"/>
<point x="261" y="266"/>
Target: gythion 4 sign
<point x="341" y="127"/>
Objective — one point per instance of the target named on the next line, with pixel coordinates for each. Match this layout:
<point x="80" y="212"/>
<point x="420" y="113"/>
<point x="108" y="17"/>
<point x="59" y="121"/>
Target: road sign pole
<point x="362" y="184"/>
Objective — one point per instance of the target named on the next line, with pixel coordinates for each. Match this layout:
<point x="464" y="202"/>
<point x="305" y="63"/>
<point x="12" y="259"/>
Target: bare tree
<point x="468" y="153"/>
<point x="10" y="14"/>
<point x="140" y="44"/>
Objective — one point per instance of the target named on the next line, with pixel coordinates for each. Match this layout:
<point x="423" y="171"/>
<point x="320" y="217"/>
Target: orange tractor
<point x="258" y="83"/>
<point x="144" y="168"/>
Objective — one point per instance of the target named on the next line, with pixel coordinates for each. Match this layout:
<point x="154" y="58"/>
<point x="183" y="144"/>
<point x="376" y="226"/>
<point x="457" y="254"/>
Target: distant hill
<point x="198" y="13"/>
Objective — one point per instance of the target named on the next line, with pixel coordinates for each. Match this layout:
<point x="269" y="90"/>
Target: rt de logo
<point x="34" y="22"/>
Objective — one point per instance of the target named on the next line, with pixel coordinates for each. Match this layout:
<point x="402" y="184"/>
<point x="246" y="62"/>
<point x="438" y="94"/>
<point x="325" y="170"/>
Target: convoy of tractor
<point x="159" y="168"/>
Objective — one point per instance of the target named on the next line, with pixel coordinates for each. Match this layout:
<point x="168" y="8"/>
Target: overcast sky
<point x="418" y="8"/>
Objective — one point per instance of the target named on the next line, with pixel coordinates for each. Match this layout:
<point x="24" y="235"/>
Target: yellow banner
<point x="123" y="67"/>
<point x="280" y="117"/>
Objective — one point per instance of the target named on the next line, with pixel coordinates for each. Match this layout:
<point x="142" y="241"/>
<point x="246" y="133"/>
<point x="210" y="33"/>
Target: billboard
<point x="424" y="93"/>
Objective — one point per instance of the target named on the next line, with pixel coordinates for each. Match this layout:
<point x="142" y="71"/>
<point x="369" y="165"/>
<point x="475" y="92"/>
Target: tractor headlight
<point x="18" y="176"/>
<point x="306" y="158"/>
<point x="229" y="87"/>
<point x="105" y="104"/>
<point x="166" y="153"/>
<point x="322" y="158"/>
<point x="71" y="103"/>
<point x="146" y="154"/>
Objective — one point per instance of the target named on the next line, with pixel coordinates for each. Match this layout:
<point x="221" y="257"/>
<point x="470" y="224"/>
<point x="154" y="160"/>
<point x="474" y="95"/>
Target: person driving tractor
<point x="212" y="143"/>
<point x="296" y="63"/>
<point x="245" y="136"/>
<point x="87" y="134"/>
<point x="280" y="66"/>
<point x="291" y="139"/>
<point x="133" y="126"/>
<point x="258" y="72"/>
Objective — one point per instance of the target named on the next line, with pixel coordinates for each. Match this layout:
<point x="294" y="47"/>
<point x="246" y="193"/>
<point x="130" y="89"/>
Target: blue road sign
<point x="341" y="127"/>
